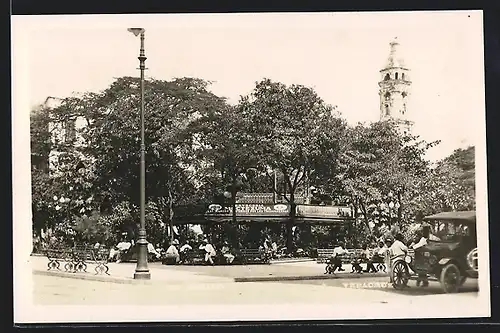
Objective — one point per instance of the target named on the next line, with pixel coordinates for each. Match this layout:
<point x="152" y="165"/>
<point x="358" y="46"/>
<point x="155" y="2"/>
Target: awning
<point x="453" y="216"/>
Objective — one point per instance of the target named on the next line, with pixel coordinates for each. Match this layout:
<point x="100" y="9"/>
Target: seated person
<point x="153" y="251"/>
<point x="398" y="249"/>
<point x="228" y="256"/>
<point x="209" y="251"/>
<point x="184" y="252"/>
<point x="356" y="265"/>
<point x="369" y="260"/>
<point x="172" y="256"/>
<point x="120" y="249"/>
<point x="335" y="262"/>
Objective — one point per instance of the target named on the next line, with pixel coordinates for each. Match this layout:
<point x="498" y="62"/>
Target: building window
<point x="404" y="94"/>
<point x="396" y="75"/>
<point x="387" y="77"/>
<point x="402" y="76"/>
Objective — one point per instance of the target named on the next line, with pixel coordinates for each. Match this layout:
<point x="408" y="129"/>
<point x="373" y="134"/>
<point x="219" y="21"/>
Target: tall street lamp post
<point x="142" y="270"/>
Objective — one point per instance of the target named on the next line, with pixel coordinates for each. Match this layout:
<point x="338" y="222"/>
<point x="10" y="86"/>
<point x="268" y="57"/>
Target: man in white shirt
<point x="398" y="248"/>
<point x="172" y="256"/>
<point x="152" y="250"/>
<point x="336" y="259"/>
<point x="209" y="251"/>
<point x="226" y="252"/>
<point x="120" y="249"/>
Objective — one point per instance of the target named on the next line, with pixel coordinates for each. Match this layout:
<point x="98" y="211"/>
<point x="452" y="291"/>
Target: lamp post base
<point x="142" y="275"/>
<point x="142" y="271"/>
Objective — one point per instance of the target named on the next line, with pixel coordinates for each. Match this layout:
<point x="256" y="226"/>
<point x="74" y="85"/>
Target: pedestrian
<point x="422" y="279"/>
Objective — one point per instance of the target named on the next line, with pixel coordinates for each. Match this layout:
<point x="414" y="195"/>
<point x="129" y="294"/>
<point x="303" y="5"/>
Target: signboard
<point x="244" y="210"/>
<point x="279" y="210"/>
<point x="324" y="212"/>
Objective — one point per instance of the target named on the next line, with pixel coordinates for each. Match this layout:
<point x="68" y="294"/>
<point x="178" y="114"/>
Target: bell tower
<point x="394" y="89"/>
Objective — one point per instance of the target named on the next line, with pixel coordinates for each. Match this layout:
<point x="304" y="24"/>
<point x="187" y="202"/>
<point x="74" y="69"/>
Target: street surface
<point x="207" y="284"/>
<point x="192" y="292"/>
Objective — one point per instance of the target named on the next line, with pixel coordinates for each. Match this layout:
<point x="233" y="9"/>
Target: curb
<point x="120" y="280"/>
<point x="306" y="277"/>
<point x="285" y="261"/>
<point x="91" y="277"/>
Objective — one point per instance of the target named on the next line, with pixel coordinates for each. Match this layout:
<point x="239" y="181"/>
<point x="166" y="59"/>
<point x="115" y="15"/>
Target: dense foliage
<point x="201" y="150"/>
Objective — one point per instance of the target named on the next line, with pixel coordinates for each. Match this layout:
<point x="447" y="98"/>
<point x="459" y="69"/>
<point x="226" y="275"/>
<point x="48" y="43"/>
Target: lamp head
<point x="136" y="31"/>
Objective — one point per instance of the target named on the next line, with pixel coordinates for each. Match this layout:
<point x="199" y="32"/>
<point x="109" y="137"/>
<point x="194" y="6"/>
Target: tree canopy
<point x="198" y="147"/>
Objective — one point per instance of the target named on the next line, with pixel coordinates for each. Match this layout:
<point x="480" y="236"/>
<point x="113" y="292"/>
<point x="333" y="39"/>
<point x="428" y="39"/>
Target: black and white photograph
<point x="249" y="167"/>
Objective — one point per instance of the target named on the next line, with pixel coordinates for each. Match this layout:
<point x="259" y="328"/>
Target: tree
<point x="449" y="185"/>
<point x="380" y="166"/>
<point x="171" y="111"/>
<point x="287" y="125"/>
<point x="228" y="150"/>
<point x="108" y="146"/>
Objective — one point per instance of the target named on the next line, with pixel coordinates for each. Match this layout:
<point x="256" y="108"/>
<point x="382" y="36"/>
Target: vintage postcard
<point x="229" y="167"/>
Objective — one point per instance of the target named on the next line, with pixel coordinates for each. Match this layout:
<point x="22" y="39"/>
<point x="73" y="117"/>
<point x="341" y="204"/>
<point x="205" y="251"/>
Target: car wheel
<point x="399" y="275"/>
<point x="450" y="278"/>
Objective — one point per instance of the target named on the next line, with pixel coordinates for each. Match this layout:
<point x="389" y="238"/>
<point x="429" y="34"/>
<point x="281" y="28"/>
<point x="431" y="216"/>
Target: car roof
<point x="469" y="216"/>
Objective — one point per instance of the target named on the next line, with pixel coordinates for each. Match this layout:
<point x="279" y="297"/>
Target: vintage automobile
<point x="451" y="259"/>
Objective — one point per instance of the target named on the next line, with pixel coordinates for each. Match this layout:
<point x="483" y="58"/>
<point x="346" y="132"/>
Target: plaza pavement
<point x="188" y="287"/>
<point x="123" y="272"/>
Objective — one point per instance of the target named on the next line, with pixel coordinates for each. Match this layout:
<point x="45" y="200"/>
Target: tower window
<point x="387" y="77"/>
<point x="396" y="76"/>
<point x="404" y="94"/>
<point x="387" y="96"/>
<point x="386" y="109"/>
<point x="402" y="76"/>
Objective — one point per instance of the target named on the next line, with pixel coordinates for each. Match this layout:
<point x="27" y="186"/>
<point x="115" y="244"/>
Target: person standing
<point x="422" y="279"/>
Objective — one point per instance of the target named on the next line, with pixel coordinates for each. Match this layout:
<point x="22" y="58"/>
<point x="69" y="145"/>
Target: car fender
<point x="445" y="261"/>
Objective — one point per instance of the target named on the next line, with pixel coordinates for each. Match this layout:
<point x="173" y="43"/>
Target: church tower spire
<point x="394" y="89"/>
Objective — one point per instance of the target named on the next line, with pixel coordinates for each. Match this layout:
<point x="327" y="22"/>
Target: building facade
<point x="65" y="130"/>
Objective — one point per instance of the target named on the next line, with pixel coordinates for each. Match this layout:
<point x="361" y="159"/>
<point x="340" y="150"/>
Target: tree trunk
<point x="290" y="223"/>
<point x="400" y="208"/>
<point x="365" y="214"/>
<point x="171" y="215"/>
<point x="234" y="223"/>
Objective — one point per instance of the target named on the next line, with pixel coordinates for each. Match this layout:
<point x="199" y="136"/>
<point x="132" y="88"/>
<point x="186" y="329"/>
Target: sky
<point x="337" y="54"/>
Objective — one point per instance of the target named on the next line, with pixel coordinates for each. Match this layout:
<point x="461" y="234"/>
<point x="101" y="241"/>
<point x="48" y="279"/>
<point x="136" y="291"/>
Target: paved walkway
<point x="123" y="272"/>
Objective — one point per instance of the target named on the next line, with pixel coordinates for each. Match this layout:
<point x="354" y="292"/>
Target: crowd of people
<point x="176" y="253"/>
<point x="388" y="250"/>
